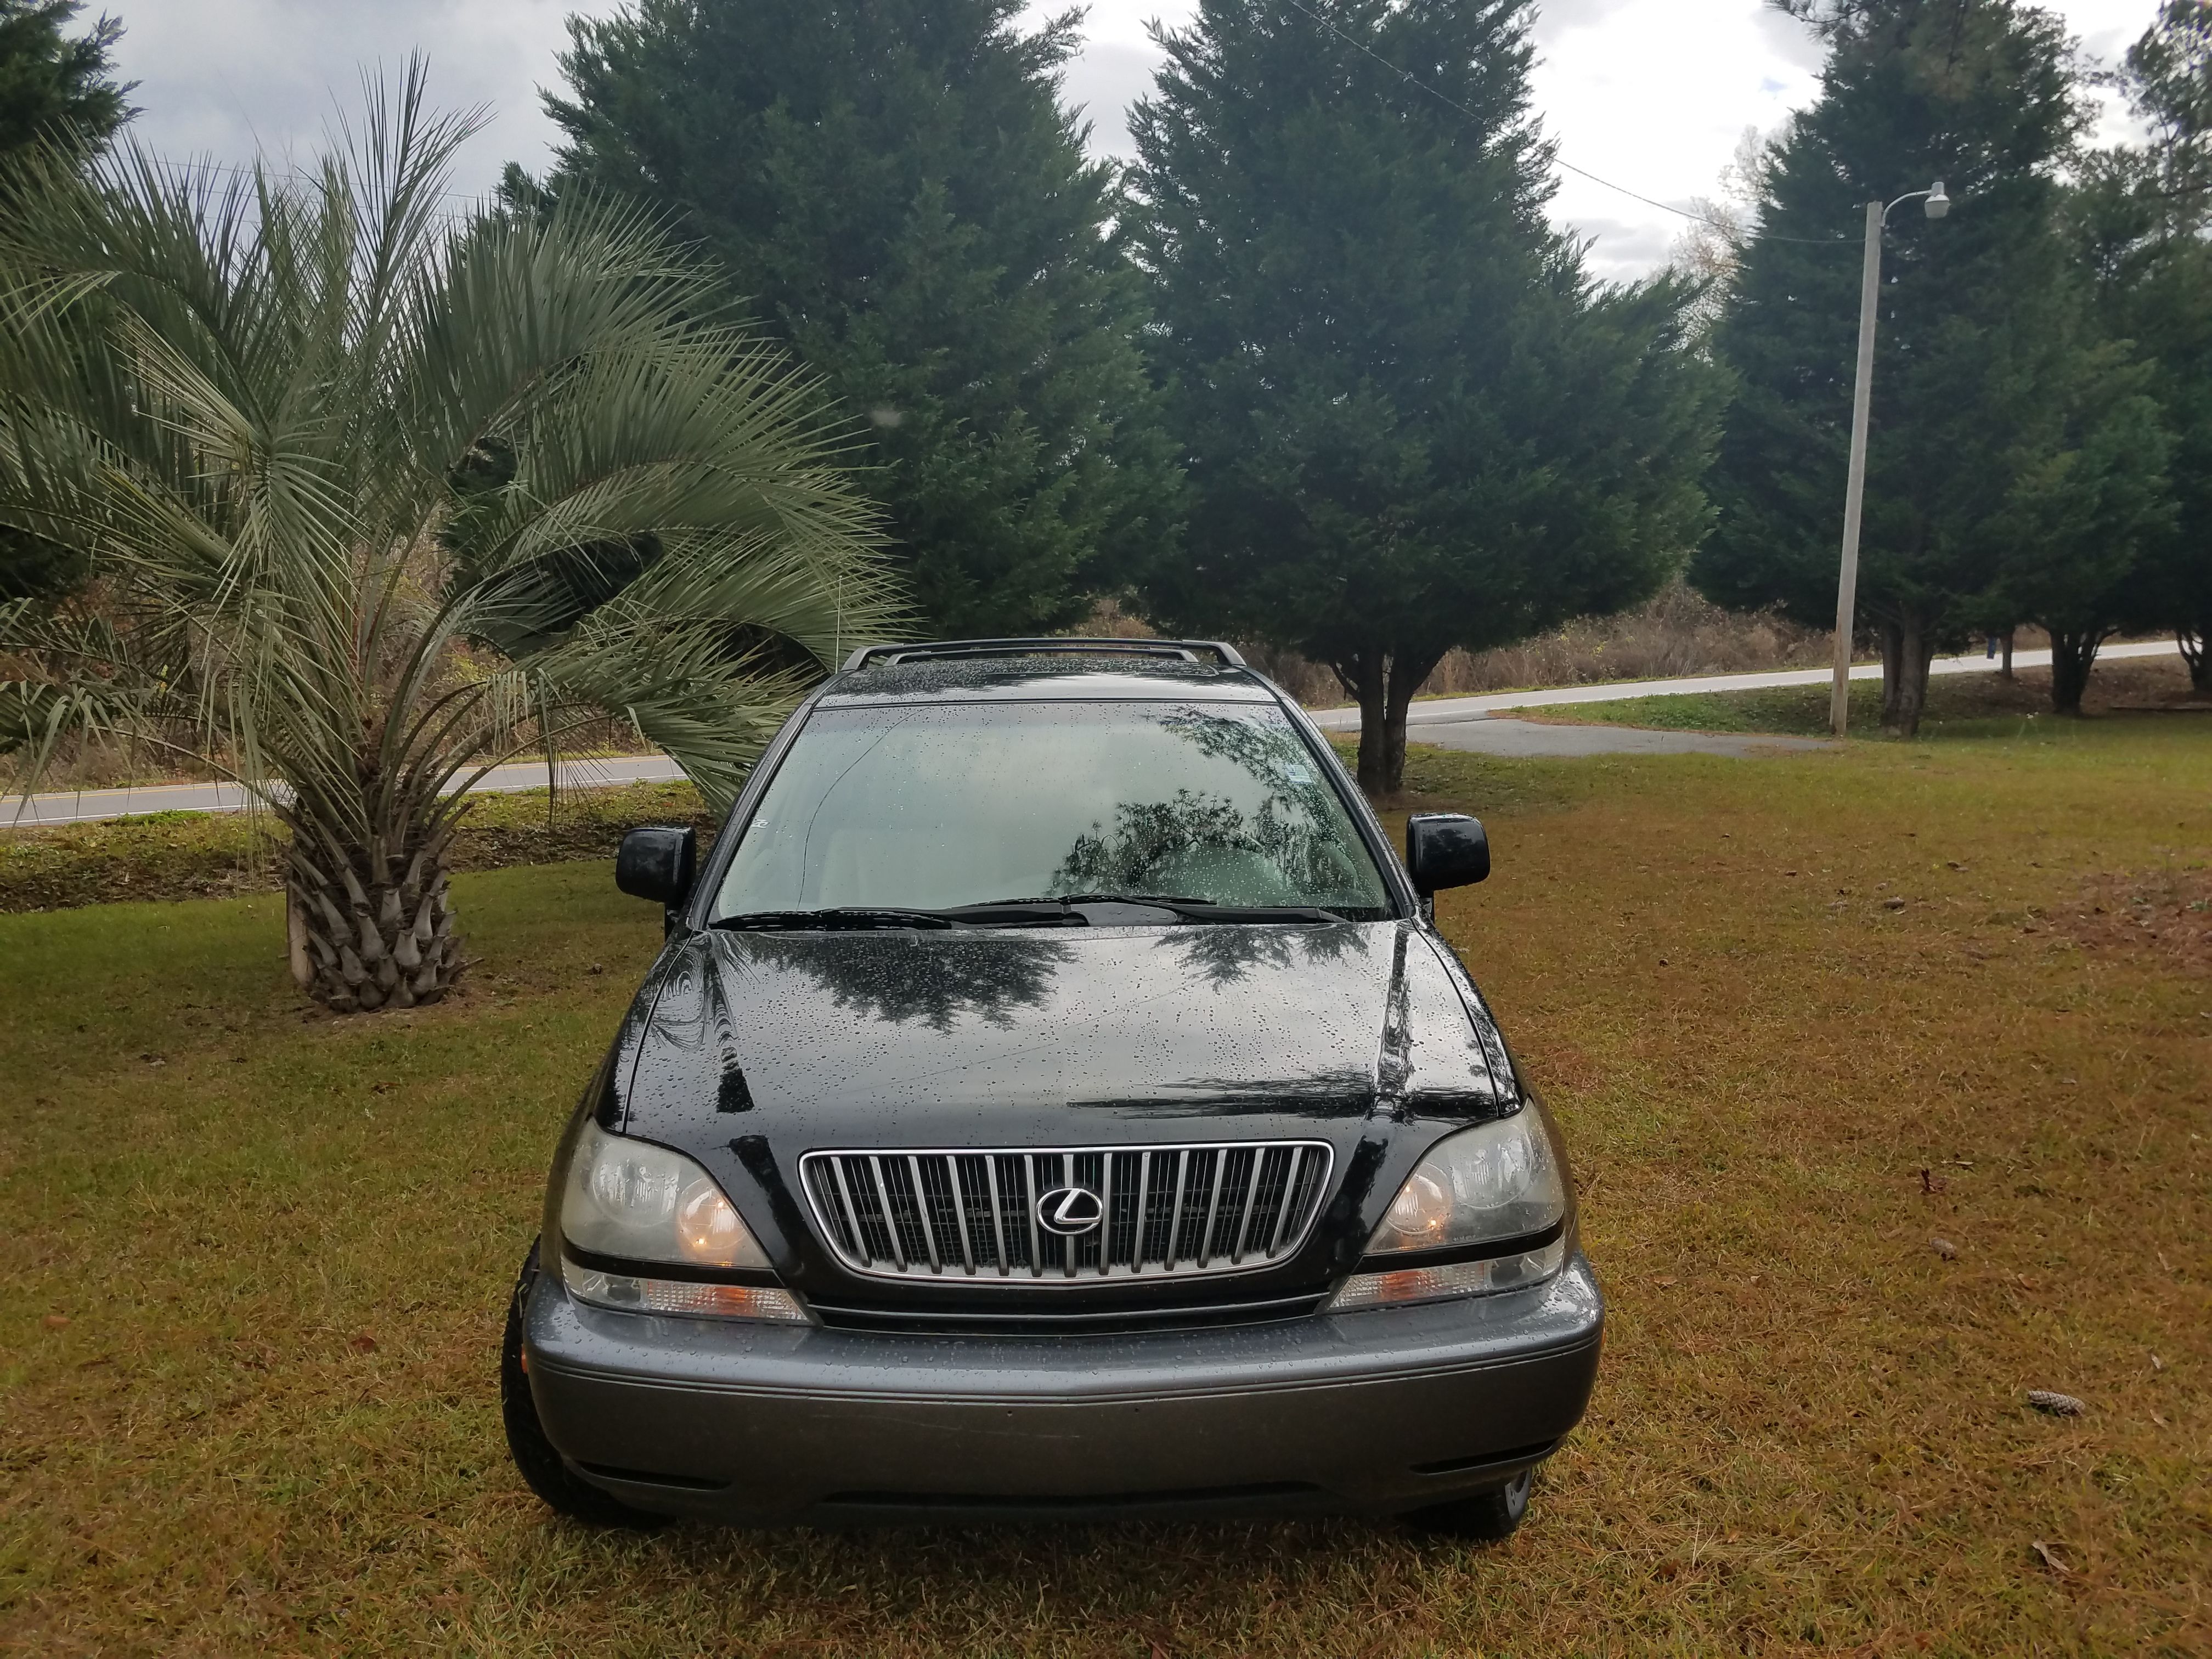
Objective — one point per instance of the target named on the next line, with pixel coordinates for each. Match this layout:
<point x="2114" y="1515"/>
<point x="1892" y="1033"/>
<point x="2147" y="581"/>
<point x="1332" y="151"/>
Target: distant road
<point x="1446" y="711"/>
<point x="82" y="807"/>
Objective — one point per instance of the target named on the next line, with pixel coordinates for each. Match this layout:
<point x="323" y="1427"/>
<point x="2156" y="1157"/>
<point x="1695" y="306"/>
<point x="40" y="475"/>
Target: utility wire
<point x="1409" y="77"/>
<point x="475" y="200"/>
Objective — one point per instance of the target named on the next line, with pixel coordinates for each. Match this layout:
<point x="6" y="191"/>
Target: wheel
<point x="541" y="1466"/>
<point x="1492" y="1514"/>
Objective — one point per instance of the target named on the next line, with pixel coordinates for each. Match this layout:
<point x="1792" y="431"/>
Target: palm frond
<point x="375" y="500"/>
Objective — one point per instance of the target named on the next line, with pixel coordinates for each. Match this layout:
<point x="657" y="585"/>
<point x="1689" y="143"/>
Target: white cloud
<point x="219" y="79"/>
<point x="1109" y="76"/>
<point x="1651" y="94"/>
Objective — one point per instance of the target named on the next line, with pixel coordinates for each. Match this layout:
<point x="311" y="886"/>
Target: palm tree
<point x="375" y="497"/>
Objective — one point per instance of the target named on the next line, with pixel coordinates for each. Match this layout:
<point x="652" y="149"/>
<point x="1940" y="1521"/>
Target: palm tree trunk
<point x="376" y="923"/>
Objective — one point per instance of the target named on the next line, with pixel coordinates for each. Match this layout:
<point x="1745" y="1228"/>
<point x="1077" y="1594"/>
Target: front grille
<point x="1167" y="1212"/>
<point x="998" y="1319"/>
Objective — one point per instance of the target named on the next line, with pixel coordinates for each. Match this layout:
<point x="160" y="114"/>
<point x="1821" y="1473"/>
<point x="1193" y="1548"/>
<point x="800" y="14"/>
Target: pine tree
<point x="897" y="194"/>
<point x="1410" y="420"/>
<point x="2141" y="215"/>
<point x="59" y="90"/>
<point x="2087" y="503"/>
<point x="55" y="87"/>
<point x="1974" y="311"/>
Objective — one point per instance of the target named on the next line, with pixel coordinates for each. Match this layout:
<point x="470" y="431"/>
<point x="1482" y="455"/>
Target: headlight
<point x="1487" y="1207"/>
<point x="646" y="1204"/>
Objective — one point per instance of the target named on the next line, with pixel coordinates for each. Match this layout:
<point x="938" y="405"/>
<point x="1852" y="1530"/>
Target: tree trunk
<point x="1403" y="687"/>
<point x="378" y="922"/>
<point x="2073" y="654"/>
<point x="1385" y="683"/>
<point x="2005" y="671"/>
<point x="2195" y="645"/>
<point x="1893" y="672"/>
<point x="1915" y="650"/>
<point x="1364" y="675"/>
<point x="1409" y="672"/>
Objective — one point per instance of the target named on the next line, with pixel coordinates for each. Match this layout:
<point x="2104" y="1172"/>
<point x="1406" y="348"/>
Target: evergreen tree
<point x="2087" y="503"/>
<point x="1410" y="420"/>
<point x="1977" y="338"/>
<point x="53" y="86"/>
<point x="894" y="188"/>
<point x="61" y="90"/>
<point x="2143" y="216"/>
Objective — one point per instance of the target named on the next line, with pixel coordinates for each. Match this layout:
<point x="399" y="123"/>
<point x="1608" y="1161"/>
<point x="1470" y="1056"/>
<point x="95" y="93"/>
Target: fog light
<point x="685" y="1299"/>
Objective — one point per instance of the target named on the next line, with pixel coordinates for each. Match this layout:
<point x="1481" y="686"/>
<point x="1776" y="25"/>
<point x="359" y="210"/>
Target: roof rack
<point x="1053" y="645"/>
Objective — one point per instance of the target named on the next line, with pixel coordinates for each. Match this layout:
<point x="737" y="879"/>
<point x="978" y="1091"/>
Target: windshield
<point x="968" y="804"/>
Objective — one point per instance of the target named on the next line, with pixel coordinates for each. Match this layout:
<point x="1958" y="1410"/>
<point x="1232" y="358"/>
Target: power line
<point x="1409" y="77"/>
<point x="477" y="201"/>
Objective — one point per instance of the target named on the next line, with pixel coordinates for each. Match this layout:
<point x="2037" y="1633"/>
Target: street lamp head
<point x="1938" y="203"/>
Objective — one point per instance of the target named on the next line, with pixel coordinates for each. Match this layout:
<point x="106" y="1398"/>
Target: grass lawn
<point x="168" y="855"/>
<point x="1800" y="1018"/>
<point x="1958" y="705"/>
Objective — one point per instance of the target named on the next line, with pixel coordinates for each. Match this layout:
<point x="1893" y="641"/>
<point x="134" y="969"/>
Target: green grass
<point x="255" y="1262"/>
<point x="1976" y="706"/>
<point x="167" y="855"/>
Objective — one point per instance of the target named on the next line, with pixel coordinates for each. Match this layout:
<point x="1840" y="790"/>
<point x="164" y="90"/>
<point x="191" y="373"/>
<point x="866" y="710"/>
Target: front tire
<point x="542" y="1469"/>
<point x="1490" y="1516"/>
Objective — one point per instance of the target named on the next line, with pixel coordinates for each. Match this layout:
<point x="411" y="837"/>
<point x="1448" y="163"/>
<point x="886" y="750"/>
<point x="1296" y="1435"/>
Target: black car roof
<point x="1095" y="676"/>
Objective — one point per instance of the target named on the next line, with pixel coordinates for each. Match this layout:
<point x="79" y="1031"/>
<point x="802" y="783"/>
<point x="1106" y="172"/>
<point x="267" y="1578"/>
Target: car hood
<point x="1051" y="1036"/>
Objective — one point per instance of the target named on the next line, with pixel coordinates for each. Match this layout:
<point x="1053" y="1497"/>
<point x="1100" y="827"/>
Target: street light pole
<point x="1847" y="583"/>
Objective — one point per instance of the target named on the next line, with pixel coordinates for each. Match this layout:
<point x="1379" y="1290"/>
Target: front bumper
<point x="1375" y="1411"/>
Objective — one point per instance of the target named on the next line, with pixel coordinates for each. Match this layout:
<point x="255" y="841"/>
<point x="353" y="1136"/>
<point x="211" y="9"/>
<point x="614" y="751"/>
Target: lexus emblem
<point x="1071" y="1211"/>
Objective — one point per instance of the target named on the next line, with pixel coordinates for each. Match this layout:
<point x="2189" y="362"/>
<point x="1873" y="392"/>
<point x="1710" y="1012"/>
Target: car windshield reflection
<point x="879" y="810"/>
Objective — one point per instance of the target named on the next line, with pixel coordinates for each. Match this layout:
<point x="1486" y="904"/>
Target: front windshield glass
<point x="932" y="807"/>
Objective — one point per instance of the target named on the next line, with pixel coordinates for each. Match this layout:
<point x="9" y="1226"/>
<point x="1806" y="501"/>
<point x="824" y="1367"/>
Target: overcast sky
<point x="1651" y="94"/>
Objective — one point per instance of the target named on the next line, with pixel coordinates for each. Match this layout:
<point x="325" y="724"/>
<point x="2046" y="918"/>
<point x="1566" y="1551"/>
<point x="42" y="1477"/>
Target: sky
<point x="1650" y="96"/>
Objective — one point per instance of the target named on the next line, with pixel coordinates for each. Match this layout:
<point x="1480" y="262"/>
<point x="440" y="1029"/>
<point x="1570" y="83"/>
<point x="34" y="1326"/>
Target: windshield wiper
<point x="1012" y="913"/>
<point x="859" y="918"/>
<point x="1187" y="909"/>
<point x="851" y="919"/>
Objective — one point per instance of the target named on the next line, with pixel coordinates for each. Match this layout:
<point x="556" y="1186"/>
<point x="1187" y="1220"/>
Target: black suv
<point x="1053" y="1097"/>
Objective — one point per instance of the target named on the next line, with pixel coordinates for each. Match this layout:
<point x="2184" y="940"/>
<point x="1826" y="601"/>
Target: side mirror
<point x="1446" y="849"/>
<point x="658" y="863"/>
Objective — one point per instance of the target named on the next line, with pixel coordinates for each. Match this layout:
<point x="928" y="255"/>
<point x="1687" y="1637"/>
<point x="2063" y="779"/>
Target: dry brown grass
<point x="1800" y="1018"/>
<point x="2164" y="914"/>
<point x="1676" y="632"/>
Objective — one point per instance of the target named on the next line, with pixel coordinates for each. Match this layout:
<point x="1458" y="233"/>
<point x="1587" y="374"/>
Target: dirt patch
<point x="2162" y="914"/>
<point x="2116" y="686"/>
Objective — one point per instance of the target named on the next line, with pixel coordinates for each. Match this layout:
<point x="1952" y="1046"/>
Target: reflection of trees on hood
<point x="890" y="976"/>
<point x="1222" y="956"/>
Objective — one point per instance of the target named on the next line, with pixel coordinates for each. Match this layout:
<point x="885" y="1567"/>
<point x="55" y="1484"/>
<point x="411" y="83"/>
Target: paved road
<point x="85" y="805"/>
<point x="1451" y="710"/>
<point x="1452" y="722"/>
